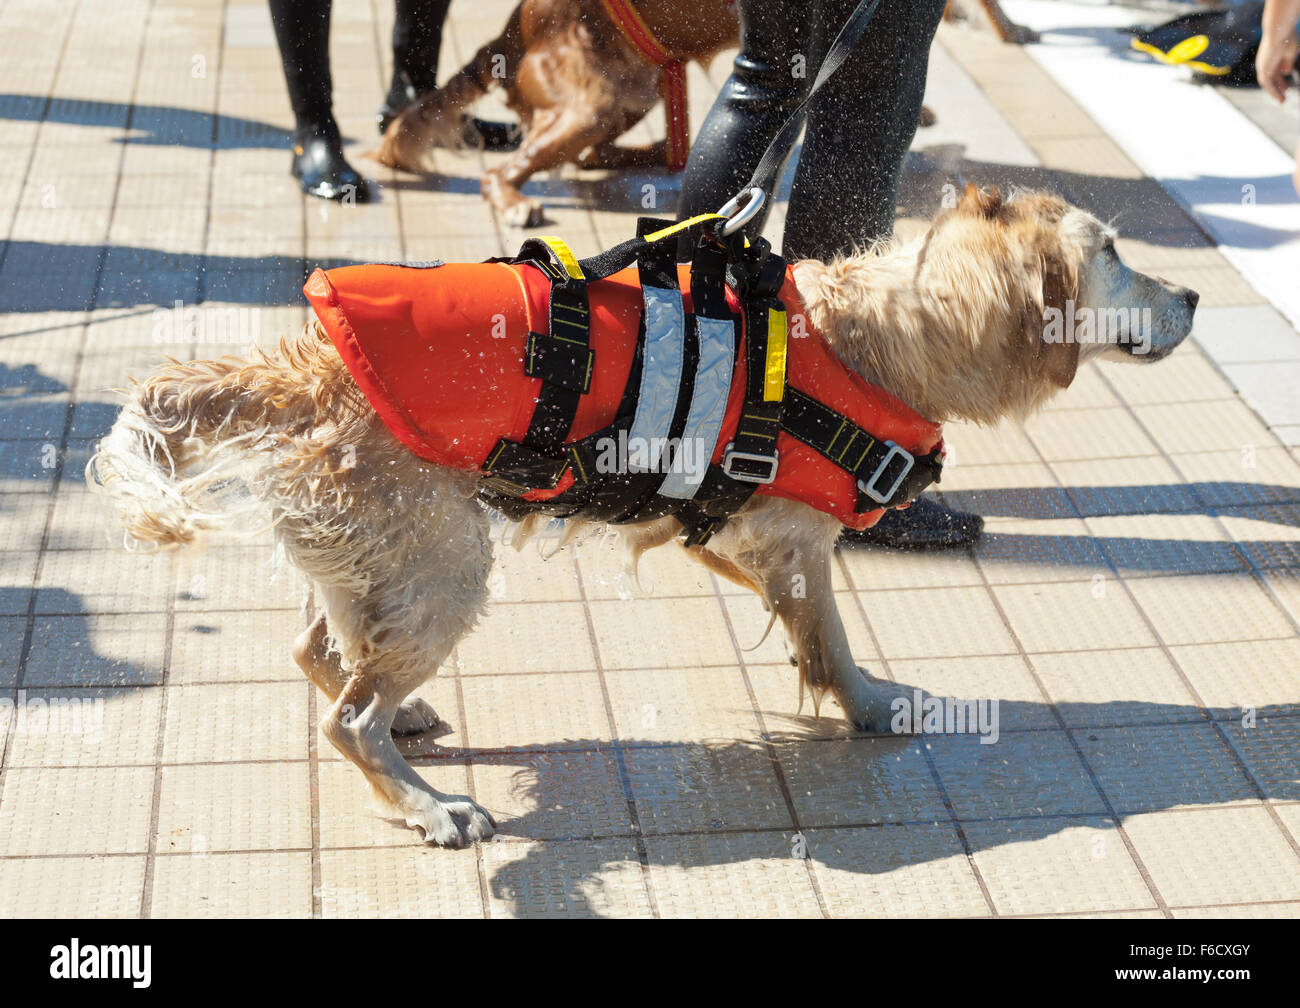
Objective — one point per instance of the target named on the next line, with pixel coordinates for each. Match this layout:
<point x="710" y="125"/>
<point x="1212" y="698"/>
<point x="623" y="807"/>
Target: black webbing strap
<point x="886" y="475"/>
<point x="563" y="359"/>
<point x="750" y="459"/>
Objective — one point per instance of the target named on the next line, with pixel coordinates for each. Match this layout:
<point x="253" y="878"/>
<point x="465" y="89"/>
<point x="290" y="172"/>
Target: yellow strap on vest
<point x="774" y="372"/>
<point x="668" y="232"/>
<point x="563" y="253"/>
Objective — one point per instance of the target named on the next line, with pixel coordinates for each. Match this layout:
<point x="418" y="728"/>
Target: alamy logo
<point x="923" y="715"/>
<point x="1098" y="325"/>
<point x="626" y="454"/>
<point x="75" y="961"/>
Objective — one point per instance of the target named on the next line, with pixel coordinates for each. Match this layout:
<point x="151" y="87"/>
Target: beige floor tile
<point x="1233" y="679"/>
<point x="1226" y="425"/>
<point x="731" y="875"/>
<point x="937" y="623"/>
<point x="1035" y="773"/>
<point x="1005" y="444"/>
<point x="1290" y="816"/>
<point x="895" y="871"/>
<point x="101" y="810"/>
<point x="1253" y="476"/>
<point x="527" y="637"/>
<point x="681" y="705"/>
<point x="235" y="577"/>
<point x="1129" y="686"/>
<point x="412" y="882"/>
<point x="1125" y="486"/>
<point x="234" y="646"/>
<point x="534" y="710"/>
<point x="1078" y="616"/>
<point x="586" y="878"/>
<point x="72" y="887"/>
<point x="860" y="781"/>
<point x="241" y="886"/>
<point x="103" y="581"/>
<point x="710" y="787"/>
<point x="79" y="650"/>
<point x="1268" y="747"/>
<point x="666" y="572"/>
<point x="1268" y="534"/>
<point x="1034" y="866"/>
<point x="234" y="807"/>
<point x="1002" y="678"/>
<point x="1284" y="587"/>
<point x="236" y="723"/>
<point x="524" y="576"/>
<point x="1022" y="490"/>
<point x="1213" y="856"/>
<point x="1154" y="767"/>
<point x="1209" y="608"/>
<point x="1088" y="434"/>
<point x="1185" y="376"/>
<point x="1091" y="389"/>
<point x="1147" y="545"/>
<point x="750" y="622"/>
<point x="350" y="817"/>
<point x="22" y="521"/>
<point x="85" y="727"/>
<point x="871" y="568"/>
<point x="1017" y="551"/>
<point x="1243" y="911"/>
<point x="673" y="633"/>
<point x="776" y="689"/>
<point x="542" y="796"/>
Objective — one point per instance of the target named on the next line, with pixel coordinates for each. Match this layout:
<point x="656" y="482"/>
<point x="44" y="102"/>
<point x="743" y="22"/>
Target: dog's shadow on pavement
<point x="937" y="800"/>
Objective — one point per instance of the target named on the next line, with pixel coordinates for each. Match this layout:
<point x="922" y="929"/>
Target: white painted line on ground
<point x="1226" y="172"/>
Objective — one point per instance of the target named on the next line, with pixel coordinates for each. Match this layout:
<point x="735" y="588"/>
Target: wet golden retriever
<point x="961" y="323"/>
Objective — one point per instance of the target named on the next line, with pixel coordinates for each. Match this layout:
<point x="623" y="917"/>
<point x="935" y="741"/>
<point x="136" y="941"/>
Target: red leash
<point x="672" y="82"/>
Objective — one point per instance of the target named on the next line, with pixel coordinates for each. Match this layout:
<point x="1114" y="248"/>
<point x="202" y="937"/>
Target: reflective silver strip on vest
<point x="708" y="407"/>
<point x="661" y="379"/>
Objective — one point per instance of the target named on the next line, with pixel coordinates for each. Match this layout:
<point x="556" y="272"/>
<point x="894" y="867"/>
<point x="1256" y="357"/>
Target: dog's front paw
<point x="415" y="717"/>
<point x="454" y="821"/>
<point x="882" y="707"/>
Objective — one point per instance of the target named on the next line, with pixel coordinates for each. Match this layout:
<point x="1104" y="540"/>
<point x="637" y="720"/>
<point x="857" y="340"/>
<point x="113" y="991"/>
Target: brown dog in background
<point x="575" y="81"/>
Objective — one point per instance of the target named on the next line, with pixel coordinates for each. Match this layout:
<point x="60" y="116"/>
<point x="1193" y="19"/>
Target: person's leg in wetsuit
<point x="417" y="45"/>
<point x="859" y="128"/>
<point x="302" y="30"/>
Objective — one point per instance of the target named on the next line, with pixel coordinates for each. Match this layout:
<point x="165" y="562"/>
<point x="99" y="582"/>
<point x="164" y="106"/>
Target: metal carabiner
<point x="736" y="221"/>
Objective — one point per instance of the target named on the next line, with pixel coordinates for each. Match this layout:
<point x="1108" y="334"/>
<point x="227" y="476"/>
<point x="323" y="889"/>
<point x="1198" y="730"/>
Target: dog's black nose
<point x="1193" y="298"/>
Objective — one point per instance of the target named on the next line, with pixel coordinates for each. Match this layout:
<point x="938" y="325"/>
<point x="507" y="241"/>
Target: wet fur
<point x="397" y="550"/>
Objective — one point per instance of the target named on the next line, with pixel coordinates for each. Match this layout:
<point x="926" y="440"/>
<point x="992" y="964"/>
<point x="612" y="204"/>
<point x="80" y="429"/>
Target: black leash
<point x="781" y="144"/>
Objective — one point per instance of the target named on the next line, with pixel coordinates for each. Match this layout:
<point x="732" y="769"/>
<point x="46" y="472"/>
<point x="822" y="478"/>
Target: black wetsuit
<point x="859" y="125"/>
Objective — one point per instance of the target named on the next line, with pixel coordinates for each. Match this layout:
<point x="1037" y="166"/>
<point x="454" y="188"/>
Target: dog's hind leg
<point x="359" y="726"/>
<point x="324" y="667"/>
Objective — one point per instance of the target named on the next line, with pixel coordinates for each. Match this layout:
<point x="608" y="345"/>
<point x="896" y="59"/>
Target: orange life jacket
<point x="443" y="351"/>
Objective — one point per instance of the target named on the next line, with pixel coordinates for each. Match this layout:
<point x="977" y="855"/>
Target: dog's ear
<point x="1049" y="320"/>
<point x="981" y="202"/>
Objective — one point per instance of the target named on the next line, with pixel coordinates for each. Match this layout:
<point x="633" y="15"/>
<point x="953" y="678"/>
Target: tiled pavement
<point x="1134" y="606"/>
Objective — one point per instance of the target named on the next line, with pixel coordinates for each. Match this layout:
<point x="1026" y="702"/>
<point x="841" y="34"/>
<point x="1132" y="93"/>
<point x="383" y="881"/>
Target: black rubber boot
<point x="926" y="524"/>
<point x="321" y="169"/>
<point x="302" y="31"/>
<point x="417" y="46"/>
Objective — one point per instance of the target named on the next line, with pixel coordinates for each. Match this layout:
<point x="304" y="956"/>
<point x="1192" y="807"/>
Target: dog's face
<point x="1043" y="289"/>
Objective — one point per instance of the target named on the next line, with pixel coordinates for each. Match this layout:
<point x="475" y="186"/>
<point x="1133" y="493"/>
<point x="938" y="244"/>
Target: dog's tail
<point x="187" y="451"/>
